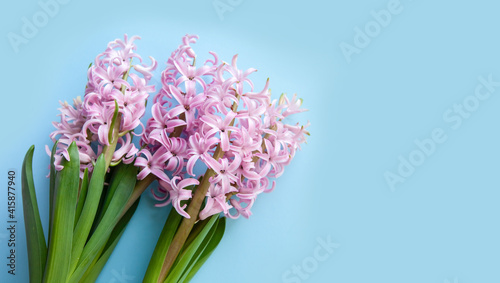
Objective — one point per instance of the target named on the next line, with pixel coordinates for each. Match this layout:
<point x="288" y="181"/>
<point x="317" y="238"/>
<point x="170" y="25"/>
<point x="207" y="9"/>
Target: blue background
<point x="440" y="225"/>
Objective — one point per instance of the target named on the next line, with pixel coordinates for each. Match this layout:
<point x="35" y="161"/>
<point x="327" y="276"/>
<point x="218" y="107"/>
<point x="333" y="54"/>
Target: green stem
<point x="186" y="225"/>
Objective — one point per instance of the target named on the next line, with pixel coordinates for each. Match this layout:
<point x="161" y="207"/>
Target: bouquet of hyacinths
<point x="92" y="176"/>
<point x="213" y="145"/>
<point x="210" y="118"/>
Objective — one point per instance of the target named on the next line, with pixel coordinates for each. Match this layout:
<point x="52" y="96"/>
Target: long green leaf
<point x="92" y="273"/>
<point x="123" y="183"/>
<point x="89" y="273"/>
<point x="161" y="249"/>
<point x="87" y="217"/>
<point x="102" y="201"/>
<point x="108" y="196"/>
<point x="35" y="239"/>
<point x="195" y="232"/>
<point x="189" y="252"/>
<point x="207" y="251"/>
<point x="82" y="195"/>
<point x="66" y="194"/>
<point x="198" y="252"/>
<point x="52" y="186"/>
<point x="121" y="225"/>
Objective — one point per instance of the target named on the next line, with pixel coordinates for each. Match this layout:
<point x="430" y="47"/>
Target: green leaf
<point x="189" y="250"/>
<point x="198" y="252"/>
<point x="121" y="225"/>
<point x="52" y="186"/>
<point x="106" y="198"/>
<point x="100" y="209"/>
<point x="123" y="182"/>
<point x="66" y="194"/>
<point x="92" y="273"/>
<point x="35" y="239"/>
<point x="197" y="229"/>
<point x="84" y="225"/>
<point x="161" y="249"/>
<point x="110" y="192"/>
<point x="207" y="250"/>
<point x="83" y="195"/>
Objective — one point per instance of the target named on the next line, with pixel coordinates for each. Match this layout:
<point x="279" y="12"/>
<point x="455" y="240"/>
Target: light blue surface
<point x="440" y="225"/>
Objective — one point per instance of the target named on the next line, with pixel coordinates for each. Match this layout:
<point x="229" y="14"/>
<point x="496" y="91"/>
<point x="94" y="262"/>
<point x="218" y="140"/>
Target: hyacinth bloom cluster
<point x="115" y="100"/>
<point x="86" y="217"/>
<point x="207" y="118"/>
<point x="211" y="117"/>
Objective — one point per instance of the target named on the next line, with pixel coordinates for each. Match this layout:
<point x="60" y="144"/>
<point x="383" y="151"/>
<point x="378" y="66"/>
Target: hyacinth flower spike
<point x="92" y="175"/>
<point x="235" y="133"/>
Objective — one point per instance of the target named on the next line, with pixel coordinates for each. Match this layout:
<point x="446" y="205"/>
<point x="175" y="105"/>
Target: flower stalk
<point x="193" y="210"/>
<point x="242" y="146"/>
<point x="93" y="134"/>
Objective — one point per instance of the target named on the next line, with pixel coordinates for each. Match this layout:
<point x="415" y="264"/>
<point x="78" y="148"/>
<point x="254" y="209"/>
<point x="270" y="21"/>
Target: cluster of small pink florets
<point x="207" y="116"/>
<point x="112" y="80"/>
<point x="213" y="111"/>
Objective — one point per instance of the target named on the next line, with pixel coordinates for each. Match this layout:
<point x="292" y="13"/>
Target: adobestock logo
<point x="407" y="165"/>
<point x="310" y="264"/>
<point x="223" y="6"/>
<point x="363" y="36"/>
<point x="31" y="26"/>
<point x="454" y="117"/>
<point x="121" y="277"/>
